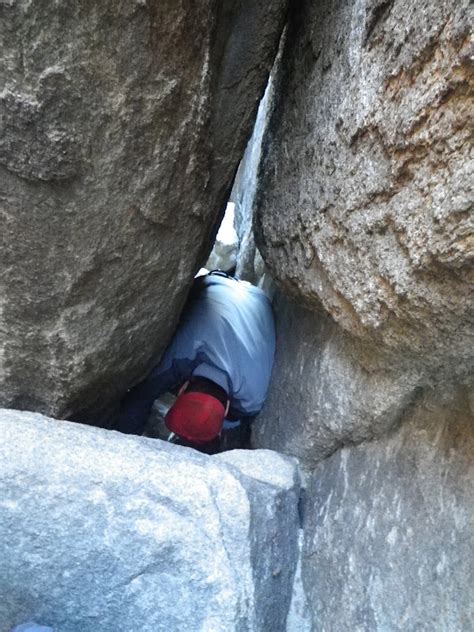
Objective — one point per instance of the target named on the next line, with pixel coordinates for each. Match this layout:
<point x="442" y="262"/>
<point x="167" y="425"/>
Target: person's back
<point x="31" y="627"/>
<point x="226" y="336"/>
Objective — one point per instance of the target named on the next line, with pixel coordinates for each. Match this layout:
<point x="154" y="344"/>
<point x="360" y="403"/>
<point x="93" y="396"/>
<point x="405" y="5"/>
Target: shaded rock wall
<point x="364" y="217"/>
<point x="122" y="127"/>
<point x="321" y="396"/>
<point x="102" y="531"/>
<point x="363" y="212"/>
<point x="389" y="527"/>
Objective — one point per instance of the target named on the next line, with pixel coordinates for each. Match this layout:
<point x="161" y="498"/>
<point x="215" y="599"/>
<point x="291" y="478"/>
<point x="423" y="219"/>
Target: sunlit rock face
<point x="103" y="531"/>
<point x="244" y="191"/>
<point x="364" y="201"/>
<point x="388" y="530"/>
<point x="363" y="217"/>
<point x="123" y="124"/>
<point x="226" y="247"/>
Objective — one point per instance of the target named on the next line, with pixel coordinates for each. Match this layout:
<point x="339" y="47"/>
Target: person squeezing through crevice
<point x="219" y="362"/>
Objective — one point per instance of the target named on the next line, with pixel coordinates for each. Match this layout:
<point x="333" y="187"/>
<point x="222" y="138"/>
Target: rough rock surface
<point x="102" y="531"/>
<point x="389" y="528"/>
<point x="122" y="126"/>
<point x="274" y="531"/>
<point x="299" y="617"/>
<point x="321" y="395"/>
<point x="366" y="193"/>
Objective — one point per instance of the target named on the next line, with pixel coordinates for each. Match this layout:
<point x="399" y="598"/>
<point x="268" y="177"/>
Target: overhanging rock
<point x="122" y="128"/>
<point x="365" y="187"/>
<point x="100" y="530"/>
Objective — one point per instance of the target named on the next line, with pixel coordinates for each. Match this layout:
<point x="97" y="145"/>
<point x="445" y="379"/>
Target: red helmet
<point x="196" y="417"/>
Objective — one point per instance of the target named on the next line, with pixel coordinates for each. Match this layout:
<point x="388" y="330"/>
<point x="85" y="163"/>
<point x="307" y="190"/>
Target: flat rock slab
<point x="103" y="531"/>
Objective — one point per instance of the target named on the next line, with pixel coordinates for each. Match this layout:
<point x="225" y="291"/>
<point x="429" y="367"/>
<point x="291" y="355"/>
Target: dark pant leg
<point x="246" y="432"/>
<point x="135" y="409"/>
<point x="238" y="438"/>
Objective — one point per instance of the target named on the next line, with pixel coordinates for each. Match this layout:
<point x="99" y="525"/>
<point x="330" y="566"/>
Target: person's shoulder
<point x="232" y="287"/>
<point x="218" y="280"/>
<point x="231" y="284"/>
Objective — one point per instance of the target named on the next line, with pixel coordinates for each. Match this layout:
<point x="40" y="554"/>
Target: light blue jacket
<point x="226" y="334"/>
<point x="31" y="627"/>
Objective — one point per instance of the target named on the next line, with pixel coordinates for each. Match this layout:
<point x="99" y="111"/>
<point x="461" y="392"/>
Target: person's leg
<point x="236" y="435"/>
<point x="246" y="432"/>
<point x="230" y="435"/>
<point x="135" y="408"/>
